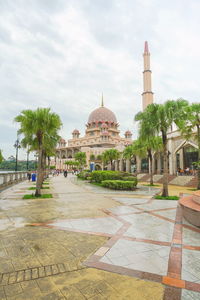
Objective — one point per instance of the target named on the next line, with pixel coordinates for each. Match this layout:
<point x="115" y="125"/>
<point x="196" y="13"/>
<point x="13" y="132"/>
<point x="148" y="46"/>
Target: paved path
<point x="88" y="243"/>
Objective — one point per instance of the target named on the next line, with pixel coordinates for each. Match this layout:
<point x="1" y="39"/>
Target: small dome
<point x="128" y="132"/>
<point x="102" y="114"/>
<point x="75" y="131"/>
<point x="62" y="140"/>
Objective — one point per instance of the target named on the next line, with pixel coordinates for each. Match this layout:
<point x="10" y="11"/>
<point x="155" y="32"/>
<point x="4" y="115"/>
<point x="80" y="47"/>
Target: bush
<point x="99" y="176"/>
<point x="130" y="178"/>
<point x="119" y="184"/>
<point x="84" y="175"/>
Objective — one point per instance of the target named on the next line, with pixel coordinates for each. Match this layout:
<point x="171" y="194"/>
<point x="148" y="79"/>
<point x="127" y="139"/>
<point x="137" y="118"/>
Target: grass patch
<point x="34" y="197"/>
<point x="167" y="198"/>
<point x="151" y="184"/>
<point x="42" y="188"/>
<point x="192" y="190"/>
<point x="96" y="183"/>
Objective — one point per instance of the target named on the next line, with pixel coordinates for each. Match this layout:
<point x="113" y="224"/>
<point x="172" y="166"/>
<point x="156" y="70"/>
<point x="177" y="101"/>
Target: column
<point x="138" y="164"/>
<point x="116" y="165"/>
<point x="121" y="165"/>
<point x="128" y="165"/>
<point x="181" y="159"/>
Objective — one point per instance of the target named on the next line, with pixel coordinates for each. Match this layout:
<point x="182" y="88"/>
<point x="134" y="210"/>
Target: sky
<point x="63" y="54"/>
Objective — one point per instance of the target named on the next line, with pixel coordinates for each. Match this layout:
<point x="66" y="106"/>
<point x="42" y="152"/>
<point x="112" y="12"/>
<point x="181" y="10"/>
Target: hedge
<point x="99" y="176"/>
<point x="119" y="184"/>
<point x="84" y="175"/>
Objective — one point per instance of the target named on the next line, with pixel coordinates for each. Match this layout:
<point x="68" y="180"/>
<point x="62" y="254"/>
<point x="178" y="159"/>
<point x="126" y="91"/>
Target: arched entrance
<point x="97" y="167"/>
<point x="190" y="155"/>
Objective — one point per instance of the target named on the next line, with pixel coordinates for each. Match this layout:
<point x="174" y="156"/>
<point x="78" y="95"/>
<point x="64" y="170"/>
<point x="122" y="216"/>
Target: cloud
<point x="64" y="54"/>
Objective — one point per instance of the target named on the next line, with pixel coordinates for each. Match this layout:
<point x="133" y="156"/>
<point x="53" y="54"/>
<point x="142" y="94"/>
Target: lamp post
<point x="17" y="146"/>
<point x="27" y="160"/>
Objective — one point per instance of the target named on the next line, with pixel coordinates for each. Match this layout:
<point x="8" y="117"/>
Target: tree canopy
<point x="40" y="130"/>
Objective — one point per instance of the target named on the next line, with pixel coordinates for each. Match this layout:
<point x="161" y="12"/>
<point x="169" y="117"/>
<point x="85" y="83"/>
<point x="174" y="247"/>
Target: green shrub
<point x="130" y="178"/>
<point x="119" y="184"/>
<point x="84" y="175"/>
<point x="99" y="176"/>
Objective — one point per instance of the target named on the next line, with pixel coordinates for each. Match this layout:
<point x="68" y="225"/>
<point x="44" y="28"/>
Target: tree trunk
<point x="150" y="166"/>
<point x="39" y="174"/>
<point x="198" y="162"/>
<point x="165" y="163"/>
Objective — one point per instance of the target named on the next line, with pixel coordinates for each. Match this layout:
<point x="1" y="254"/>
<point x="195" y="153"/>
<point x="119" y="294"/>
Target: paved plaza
<point x="92" y="243"/>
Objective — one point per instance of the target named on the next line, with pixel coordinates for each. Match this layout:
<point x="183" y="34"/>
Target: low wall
<point x="7" y="179"/>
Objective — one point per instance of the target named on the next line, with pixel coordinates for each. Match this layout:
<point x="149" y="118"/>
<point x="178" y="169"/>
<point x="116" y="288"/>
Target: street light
<point x="27" y="160"/>
<point x="17" y="146"/>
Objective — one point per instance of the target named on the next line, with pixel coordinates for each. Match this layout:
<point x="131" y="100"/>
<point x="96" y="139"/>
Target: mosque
<point x="102" y="133"/>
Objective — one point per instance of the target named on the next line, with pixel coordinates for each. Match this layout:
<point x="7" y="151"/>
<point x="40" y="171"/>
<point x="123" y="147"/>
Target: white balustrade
<point x="8" y="178"/>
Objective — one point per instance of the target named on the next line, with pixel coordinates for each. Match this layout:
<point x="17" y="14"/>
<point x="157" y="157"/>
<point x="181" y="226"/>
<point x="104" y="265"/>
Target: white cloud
<point x="63" y="54"/>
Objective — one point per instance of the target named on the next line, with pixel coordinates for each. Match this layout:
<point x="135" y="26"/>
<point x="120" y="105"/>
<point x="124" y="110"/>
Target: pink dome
<point x="102" y="114"/>
<point x="62" y="140"/>
<point x="75" y="131"/>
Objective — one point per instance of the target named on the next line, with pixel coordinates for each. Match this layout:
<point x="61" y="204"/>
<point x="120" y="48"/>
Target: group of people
<point x="186" y="171"/>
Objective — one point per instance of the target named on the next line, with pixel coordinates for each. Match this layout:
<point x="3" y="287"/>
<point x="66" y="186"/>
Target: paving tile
<point x="191" y="265"/>
<point x="150" y="227"/>
<point x="143" y="257"/>
<point x="118" y="210"/>
<point x="191" y="237"/>
<point x="171" y="214"/>
<point x="190" y="295"/>
<point x="131" y="201"/>
<point x="102" y="225"/>
<point x="159" y="204"/>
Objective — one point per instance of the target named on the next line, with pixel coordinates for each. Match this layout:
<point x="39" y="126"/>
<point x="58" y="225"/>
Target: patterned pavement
<point x="148" y="239"/>
<point x="86" y="243"/>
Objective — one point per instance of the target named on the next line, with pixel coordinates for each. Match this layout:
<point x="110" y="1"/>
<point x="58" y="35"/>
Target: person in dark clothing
<point x="29" y="176"/>
<point x="65" y="173"/>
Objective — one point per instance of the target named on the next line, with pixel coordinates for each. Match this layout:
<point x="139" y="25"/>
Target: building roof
<point x="102" y="114"/>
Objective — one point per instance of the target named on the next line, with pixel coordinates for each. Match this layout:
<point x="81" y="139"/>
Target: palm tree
<point x="110" y="155"/>
<point x="92" y="157"/>
<point x="187" y="124"/>
<point x="157" y="119"/>
<point x="40" y="128"/>
<point x="1" y="156"/>
<point x="146" y="147"/>
<point x="81" y="158"/>
<point x="129" y="153"/>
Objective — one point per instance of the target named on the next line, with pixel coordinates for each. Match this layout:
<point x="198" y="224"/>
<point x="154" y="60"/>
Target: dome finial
<point x="102" y="104"/>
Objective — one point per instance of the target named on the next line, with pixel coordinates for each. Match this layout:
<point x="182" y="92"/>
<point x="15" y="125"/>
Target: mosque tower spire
<point x="102" y="102"/>
<point x="147" y="95"/>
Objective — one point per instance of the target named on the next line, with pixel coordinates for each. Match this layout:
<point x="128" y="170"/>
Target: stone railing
<point x="9" y="178"/>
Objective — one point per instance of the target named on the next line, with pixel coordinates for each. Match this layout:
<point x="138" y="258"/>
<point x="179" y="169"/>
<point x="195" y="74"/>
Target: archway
<point x="97" y="167"/>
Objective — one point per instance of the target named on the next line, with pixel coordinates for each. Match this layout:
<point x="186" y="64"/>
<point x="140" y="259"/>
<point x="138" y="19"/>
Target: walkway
<point x="87" y="243"/>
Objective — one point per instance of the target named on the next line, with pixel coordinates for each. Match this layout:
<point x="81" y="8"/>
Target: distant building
<point x="102" y="133"/>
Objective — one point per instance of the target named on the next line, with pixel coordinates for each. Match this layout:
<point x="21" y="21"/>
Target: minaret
<point x="147" y="95"/>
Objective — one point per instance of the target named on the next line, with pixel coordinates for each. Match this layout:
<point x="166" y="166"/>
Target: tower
<point x="147" y="95"/>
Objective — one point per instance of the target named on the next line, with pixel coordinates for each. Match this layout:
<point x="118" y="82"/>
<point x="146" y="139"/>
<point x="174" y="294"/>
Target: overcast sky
<point x="64" y="53"/>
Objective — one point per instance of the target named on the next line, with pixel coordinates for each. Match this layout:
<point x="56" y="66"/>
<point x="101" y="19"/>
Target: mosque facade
<point x="102" y="133"/>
